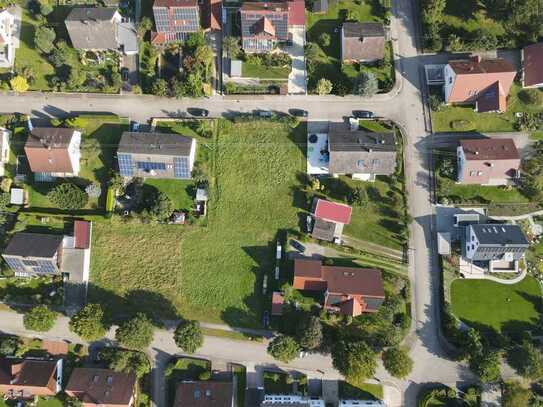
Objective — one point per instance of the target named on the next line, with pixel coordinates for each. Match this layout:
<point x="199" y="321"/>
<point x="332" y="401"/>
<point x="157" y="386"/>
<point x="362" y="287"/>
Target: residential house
<point x="489" y="161"/>
<point x="101" y="29"/>
<point x="212" y="15"/>
<point x="53" y="152"/>
<point x="102" y="387"/>
<point x="532" y="61"/>
<point x="5" y="135"/>
<point x="484" y="83"/>
<point x="361" y="154"/>
<point x="30" y="254"/>
<point x="347" y="290"/>
<point x="208" y="393"/>
<point x="156" y="155"/>
<point x="362" y="42"/>
<point x="27" y="378"/>
<point x="329" y="219"/>
<point x="497" y="247"/>
<point x="278" y="302"/>
<point x="176" y="19"/>
<point x="7" y="39"/>
<point x="291" y="400"/>
<point x="361" y="403"/>
<point x="263" y="25"/>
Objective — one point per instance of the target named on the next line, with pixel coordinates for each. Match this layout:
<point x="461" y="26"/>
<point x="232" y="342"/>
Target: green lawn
<point x="464" y="118"/>
<point x="276" y="383"/>
<point x="365" y="391"/>
<point x="497" y="307"/>
<point x="210" y="273"/>
<point x="264" y="72"/>
<point x="180" y="191"/>
<point x="479" y="193"/>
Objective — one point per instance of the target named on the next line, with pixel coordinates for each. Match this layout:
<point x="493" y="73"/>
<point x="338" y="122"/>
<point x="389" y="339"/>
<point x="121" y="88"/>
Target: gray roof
<point x="92" y="28"/>
<point x="500" y="235"/>
<point x="361" y="152"/>
<point x="128" y="37"/>
<point x="33" y="245"/>
<point x="373" y="303"/>
<point x="363" y="29"/>
<point x="320" y="6"/>
<point x="155" y="143"/>
<point x="323" y="230"/>
<point x="58" y="137"/>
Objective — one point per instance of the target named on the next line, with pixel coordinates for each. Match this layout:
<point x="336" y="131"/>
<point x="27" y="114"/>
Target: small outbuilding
<point x="277" y="303"/>
<point x="235" y="68"/>
<point x="17" y="196"/>
<point x="320" y="6"/>
<point x="201" y="201"/>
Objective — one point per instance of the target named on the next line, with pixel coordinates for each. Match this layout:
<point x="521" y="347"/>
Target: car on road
<point x="197" y="111"/>
<point x="297" y="245"/>
<point x="363" y="114"/>
<point x="124" y="74"/>
<point x="298" y="112"/>
<point x="264" y="113"/>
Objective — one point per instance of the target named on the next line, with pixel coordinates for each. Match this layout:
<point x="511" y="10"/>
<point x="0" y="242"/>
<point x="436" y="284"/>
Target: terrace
<point x="318" y="157"/>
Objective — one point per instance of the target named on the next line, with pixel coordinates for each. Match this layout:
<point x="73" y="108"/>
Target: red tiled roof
<point x="489" y="149"/>
<point x="207" y="393"/>
<point x="175" y="3"/>
<point x="354" y="281"/>
<point x="264" y="7"/>
<point x="82" y="234"/>
<point x="212" y="12"/>
<point x="351" y="307"/>
<point x="277" y="303"/>
<point x="296" y="12"/>
<point x="55" y="348"/>
<point x="332" y="211"/>
<point x="533" y="64"/>
<point x="158" y="38"/>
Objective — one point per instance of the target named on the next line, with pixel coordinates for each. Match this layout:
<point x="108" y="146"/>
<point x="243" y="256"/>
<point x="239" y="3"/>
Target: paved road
<point x="404" y="106"/>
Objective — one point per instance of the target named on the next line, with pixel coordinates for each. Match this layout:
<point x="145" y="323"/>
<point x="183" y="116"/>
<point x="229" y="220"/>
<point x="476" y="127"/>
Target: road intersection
<point x="404" y="105"/>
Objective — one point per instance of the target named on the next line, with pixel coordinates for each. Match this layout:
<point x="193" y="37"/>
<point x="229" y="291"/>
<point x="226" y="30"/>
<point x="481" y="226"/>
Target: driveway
<point x="131" y="63"/>
<point x="297" y="79"/>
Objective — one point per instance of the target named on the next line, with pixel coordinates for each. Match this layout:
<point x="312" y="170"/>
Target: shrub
<point x="19" y="84"/>
<point x="88" y="323"/>
<point x="8" y="345"/>
<point x="397" y="362"/>
<point x="435" y="103"/>
<point x="462" y="125"/>
<point x="44" y="38"/>
<point x="324" y="87"/>
<point x="126" y="361"/>
<point x="136" y="333"/>
<point x="40" y="319"/>
<point x="325" y="39"/>
<point x="531" y="96"/>
<point x="366" y="84"/>
<point x="205" y="375"/>
<point x="68" y="196"/>
<point x="283" y="348"/>
<point x="188" y="336"/>
<point x="93" y="190"/>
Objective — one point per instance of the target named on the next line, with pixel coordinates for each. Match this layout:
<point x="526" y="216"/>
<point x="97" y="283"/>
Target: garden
<point x="364" y="391"/>
<point x="324" y="46"/>
<point x="284" y="383"/>
<point x="443" y="396"/>
<point x="185" y="368"/>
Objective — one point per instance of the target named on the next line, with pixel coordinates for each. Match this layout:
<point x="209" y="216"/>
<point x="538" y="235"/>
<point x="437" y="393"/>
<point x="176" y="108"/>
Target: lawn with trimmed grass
<point x="364" y="391"/>
<point x="264" y="72"/>
<point x="181" y="191"/>
<point x="495" y="307"/>
<point x="481" y="194"/>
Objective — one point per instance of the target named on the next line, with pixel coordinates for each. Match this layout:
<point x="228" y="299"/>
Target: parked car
<point x="297" y="245"/>
<point x="298" y="112"/>
<point x="264" y="113"/>
<point x="124" y="74"/>
<point x="363" y="114"/>
<point x="197" y="111"/>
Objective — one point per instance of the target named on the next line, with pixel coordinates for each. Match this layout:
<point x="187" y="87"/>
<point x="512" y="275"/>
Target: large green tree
<point x="366" y="84"/>
<point x="126" y="361"/>
<point x="136" y="333"/>
<point x="397" y="362"/>
<point x="88" y="323"/>
<point x="40" y="319"/>
<point x="487" y="366"/>
<point x="354" y="360"/>
<point x="231" y="47"/>
<point x="310" y="333"/>
<point x="514" y="395"/>
<point x="527" y="359"/>
<point x="283" y="348"/>
<point x="188" y="336"/>
<point x="68" y="196"/>
<point x="44" y="38"/>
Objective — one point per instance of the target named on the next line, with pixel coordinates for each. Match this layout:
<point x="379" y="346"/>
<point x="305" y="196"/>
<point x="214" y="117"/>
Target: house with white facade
<point x="7" y="39"/>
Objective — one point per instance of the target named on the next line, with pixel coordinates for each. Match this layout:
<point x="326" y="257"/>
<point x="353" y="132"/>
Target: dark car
<point x="297" y="245"/>
<point x="196" y="111"/>
<point x="124" y="74"/>
<point x="363" y="114"/>
<point x="298" y="112"/>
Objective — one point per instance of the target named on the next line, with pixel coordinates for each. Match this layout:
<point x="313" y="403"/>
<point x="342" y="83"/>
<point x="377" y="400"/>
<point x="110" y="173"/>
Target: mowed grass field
<point x="212" y="273"/>
<point x="497" y="307"/>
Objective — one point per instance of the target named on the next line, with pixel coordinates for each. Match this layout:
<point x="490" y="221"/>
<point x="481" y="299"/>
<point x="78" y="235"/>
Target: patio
<point x="317" y="154"/>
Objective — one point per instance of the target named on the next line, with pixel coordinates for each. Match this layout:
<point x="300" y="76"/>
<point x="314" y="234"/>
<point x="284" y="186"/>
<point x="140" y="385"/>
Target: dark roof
<point x="92" y="28"/>
<point x="91" y="13"/>
<point x="320" y="6"/>
<point x="204" y="394"/>
<point x="500" y="235"/>
<point x="264" y="6"/>
<point x="476" y="66"/>
<point x="323" y="230"/>
<point x="363" y="29"/>
<point x="489" y="149"/>
<point x="533" y="61"/>
<point x="26" y="372"/>
<point x="175" y="3"/>
<point x="33" y="245"/>
<point x="346" y="140"/>
<point x="49" y="137"/>
<point x="492" y="99"/>
<point x="155" y="143"/>
<point x="82" y="230"/>
<point x="101" y="386"/>
<point x="307" y="268"/>
<point x="354" y="281"/>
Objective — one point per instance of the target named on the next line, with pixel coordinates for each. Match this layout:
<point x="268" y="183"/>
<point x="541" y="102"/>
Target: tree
<point x="324" y="87"/>
<point x="231" y="47"/>
<point x="40" y="319"/>
<point x="19" y="84"/>
<point x="359" y="197"/>
<point x="527" y="360"/>
<point x="68" y="196"/>
<point x="136" y="333"/>
<point x="325" y="39"/>
<point x="310" y="333"/>
<point x="514" y="395"/>
<point x="159" y="87"/>
<point x="366" y="84"/>
<point x="487" y="366"/>
<point x="8" y="345"/>
<point x="126" y="361"/>
<point x="93" y="190"/>
<point x="44" y="38"/>
<point x="188" y="336"/>
<point x="144" y="25"/>
<point x="160" y="209"/>
<point x="204" y="56"/>
<point x="283" y="348"/>
<point x="354" y="360"/>
<point x="76" y="78"/>
<point x="195" y="40"/>
<point x="194" y="85"/>
<point x="88" y="323"/>
<point x="397" y="362"/>
<point x="45" y="8"/>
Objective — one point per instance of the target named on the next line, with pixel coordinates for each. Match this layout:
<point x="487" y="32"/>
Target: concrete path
<point x="297" y="83"/>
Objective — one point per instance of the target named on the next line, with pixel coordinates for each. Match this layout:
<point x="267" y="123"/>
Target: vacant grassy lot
<point x="264" y="72"/>
<point x="464" y="118"/>
<point x="497" y="307"/>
